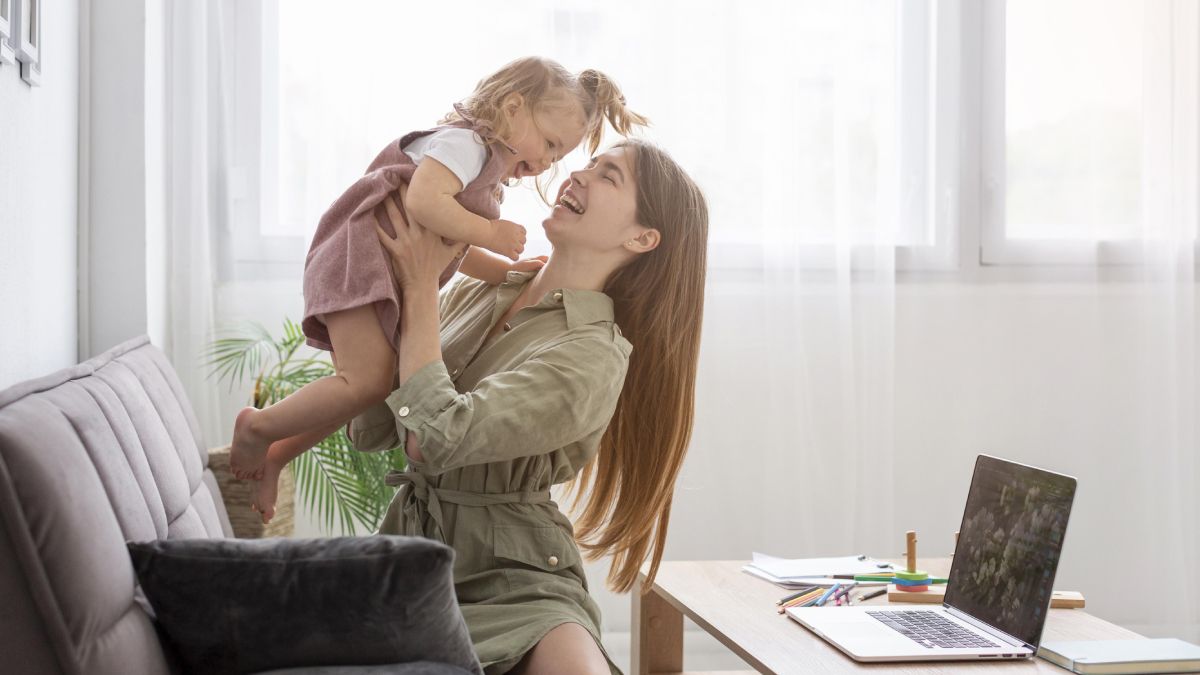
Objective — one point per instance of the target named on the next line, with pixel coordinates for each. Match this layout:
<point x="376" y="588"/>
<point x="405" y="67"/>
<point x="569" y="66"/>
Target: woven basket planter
<point x="238" y="496"/>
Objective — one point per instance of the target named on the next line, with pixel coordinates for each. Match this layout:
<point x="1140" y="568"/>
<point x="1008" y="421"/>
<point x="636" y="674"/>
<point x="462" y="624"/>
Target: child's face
<point x="544" y="137"/>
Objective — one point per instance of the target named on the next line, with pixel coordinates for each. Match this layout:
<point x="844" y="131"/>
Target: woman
<point x="530" y="381"/>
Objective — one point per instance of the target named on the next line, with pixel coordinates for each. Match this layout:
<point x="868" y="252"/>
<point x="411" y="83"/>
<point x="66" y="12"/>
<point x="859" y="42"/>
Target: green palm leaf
<point x="244" y="350"/>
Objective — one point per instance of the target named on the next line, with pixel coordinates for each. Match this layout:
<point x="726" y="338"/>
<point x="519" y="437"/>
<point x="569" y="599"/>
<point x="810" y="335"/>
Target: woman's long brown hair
<point x="659" y="303"/>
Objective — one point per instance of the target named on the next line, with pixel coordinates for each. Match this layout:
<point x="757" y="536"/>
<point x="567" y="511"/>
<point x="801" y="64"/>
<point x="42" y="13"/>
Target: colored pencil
<point x="808" y="597"/>
<point x="873" y="594"/>
<point x="829" y="593"/>
<point x="792" y="596"/>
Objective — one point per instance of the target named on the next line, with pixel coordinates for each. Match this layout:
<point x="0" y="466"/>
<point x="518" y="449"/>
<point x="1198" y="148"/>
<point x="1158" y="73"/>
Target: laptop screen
<point x="1008" y="546"/>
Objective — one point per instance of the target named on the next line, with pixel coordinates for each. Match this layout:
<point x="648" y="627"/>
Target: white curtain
<point x="197" y="117"/>
<point x="1167" y="463"/>
<point x="825" y="295"/>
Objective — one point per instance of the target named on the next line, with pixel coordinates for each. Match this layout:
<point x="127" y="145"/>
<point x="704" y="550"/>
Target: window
<point x="1071" y="142"/>
<point x="817" y="129"/>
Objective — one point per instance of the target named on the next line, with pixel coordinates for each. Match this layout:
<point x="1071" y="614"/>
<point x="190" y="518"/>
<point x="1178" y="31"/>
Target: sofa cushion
<point x="90" y="457"/>
<point x="239" y="606"/>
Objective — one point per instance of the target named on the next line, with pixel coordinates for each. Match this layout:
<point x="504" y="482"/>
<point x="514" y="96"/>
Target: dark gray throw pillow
<point x="248" y="605"/>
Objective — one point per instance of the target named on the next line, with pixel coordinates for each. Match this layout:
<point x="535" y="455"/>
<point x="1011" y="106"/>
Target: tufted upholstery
<point x="91" y="457"/>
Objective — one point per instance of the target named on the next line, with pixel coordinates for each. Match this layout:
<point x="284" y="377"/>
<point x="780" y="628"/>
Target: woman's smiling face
<point x="596" y="207"/>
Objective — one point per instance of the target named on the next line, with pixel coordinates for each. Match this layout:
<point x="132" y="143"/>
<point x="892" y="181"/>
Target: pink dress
<point x="348" y="267"/>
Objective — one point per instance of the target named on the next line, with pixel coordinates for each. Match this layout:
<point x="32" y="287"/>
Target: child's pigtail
<point x="609" y="104"/>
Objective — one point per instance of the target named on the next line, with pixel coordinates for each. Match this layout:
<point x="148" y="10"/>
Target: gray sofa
<point x="91" y="457"/>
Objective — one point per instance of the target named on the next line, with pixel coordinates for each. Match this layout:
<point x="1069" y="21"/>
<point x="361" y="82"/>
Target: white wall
<point x="38" y="168"/>
<point x="124" y="289"/>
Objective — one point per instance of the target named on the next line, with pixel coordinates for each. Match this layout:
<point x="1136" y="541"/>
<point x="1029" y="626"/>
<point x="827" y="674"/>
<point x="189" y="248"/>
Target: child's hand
<point x="507" y="239"/>
<point x="529" y="264"/>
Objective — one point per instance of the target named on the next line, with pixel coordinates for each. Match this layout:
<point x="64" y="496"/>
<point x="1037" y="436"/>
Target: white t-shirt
<point x="461" y="150"/>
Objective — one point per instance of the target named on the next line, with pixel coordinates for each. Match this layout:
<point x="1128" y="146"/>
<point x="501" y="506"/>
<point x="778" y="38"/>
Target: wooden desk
<point x="739" y="610"/>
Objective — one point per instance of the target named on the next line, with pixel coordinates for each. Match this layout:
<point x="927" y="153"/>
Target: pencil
<point x="802" y="591"/>
<point x="873" y="594"/>
<point x="859" y="577"/>
<point x="828" y="594"/>
<point x="816" y="592"/>
<point x="800" y="600"/>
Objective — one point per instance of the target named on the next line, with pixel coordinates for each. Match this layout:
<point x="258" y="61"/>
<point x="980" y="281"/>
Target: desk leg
<point x="657" y="639"/>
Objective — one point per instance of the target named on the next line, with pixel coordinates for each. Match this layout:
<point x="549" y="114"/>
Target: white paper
<point x="799" y="568"/>
<point x="784" y="583"/>
<point x="806" y="581"/>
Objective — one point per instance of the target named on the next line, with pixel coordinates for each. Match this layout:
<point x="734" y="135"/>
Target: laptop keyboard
<point x="931" y="629"/>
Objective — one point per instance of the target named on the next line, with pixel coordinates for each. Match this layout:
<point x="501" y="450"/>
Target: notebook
<point x="1116" y="657"/>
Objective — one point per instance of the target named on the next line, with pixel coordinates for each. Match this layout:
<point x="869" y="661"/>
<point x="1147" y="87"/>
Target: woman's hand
<point x="418" y="256"/>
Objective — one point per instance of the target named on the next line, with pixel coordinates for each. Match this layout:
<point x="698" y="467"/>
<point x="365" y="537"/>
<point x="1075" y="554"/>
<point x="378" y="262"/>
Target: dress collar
<point x="582" y="306"/>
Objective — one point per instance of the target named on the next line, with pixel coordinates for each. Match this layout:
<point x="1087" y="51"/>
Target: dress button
<point x="553" y="560"/>
<point x="558" y="296"/>
<point x="507" y="326"/>
<point x="454" y="373"/>
<point x="403" y="411"/>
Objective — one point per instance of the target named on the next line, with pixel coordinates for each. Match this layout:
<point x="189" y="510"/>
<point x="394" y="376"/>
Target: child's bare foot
<point x="248" y="451"/>
<point x="266" y="489"/>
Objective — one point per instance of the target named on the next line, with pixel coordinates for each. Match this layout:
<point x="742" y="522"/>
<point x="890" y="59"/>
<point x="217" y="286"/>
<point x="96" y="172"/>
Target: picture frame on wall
<point x="27" y="38"/>
<point x="7" y="55"/>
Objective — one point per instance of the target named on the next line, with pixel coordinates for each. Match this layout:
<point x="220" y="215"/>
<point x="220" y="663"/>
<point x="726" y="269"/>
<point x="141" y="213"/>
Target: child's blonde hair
<point x="543" y="82"/>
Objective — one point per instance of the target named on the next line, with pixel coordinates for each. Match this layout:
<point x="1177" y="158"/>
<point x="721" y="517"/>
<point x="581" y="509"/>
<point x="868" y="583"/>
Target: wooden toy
<point x="911" y="579"/>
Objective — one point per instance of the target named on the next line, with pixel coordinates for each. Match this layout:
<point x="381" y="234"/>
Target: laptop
<point x="1000" y="582"/>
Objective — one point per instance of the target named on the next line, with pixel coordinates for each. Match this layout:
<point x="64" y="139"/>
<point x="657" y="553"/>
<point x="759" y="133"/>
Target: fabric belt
<point x="422" y="499"/>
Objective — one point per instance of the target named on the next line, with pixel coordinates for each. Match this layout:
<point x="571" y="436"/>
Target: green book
<point x="1118" y="657"/>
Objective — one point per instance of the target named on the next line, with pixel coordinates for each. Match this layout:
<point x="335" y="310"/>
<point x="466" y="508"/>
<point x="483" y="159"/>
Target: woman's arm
<point x="418" y="256"/>
<point x="420" y="339"/>
<point x="375" y="429"/>
<point x="559" y="395"/>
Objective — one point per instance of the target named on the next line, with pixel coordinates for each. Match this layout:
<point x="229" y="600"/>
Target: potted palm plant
<point x="344" y="488"/>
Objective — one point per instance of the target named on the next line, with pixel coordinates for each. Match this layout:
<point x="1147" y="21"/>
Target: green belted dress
<point x="498" y="424"/>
